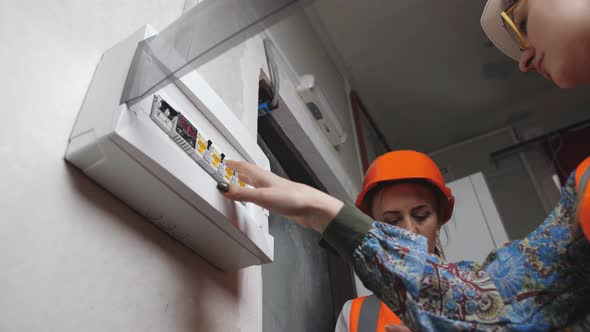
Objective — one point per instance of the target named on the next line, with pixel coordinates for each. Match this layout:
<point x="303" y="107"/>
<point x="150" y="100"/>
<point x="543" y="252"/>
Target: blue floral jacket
<point x="535" y="284"/>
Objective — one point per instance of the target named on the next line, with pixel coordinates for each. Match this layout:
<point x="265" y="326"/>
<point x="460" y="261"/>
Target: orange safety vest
<point x="583" y="190"/>
<point x="369" y="314"/>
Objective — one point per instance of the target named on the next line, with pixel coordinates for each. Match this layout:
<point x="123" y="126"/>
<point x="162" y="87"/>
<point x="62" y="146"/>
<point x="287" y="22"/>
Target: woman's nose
<point x="526" y="60"/>
<point x="410" y="225"/>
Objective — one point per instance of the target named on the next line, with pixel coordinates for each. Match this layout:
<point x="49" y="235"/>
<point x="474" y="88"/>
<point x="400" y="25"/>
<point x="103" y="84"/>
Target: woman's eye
<point x="421" y="217"/>
<point x="391" y="221"/>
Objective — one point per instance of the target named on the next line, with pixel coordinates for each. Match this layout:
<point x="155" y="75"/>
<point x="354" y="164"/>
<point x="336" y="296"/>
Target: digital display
<point x="186" y="130"/>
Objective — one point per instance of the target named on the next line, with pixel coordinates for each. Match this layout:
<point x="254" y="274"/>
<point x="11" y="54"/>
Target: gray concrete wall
<point x="296" y="287"/>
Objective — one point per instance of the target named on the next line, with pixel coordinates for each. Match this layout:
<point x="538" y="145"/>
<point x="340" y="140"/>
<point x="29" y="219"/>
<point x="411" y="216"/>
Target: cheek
<point x="545" y="31"/>
<point x="429" y="230"/>
<point x="557" y="32"/>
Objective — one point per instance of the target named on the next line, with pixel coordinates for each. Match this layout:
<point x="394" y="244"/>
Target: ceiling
<point x="425" y="70"/>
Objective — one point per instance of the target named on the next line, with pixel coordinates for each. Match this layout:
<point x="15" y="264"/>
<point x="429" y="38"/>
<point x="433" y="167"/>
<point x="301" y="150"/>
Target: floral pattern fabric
<point x="534" y="284"/>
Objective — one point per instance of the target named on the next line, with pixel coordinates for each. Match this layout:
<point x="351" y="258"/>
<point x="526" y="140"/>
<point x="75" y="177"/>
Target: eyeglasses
<point x="510" y="26"/>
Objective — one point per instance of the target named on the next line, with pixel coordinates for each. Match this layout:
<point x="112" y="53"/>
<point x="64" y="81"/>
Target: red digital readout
<point x="187" y="127"/>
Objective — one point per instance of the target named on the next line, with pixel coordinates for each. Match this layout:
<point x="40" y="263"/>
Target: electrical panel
<point x="164" y="154"/>
<point x="193" y="141"/>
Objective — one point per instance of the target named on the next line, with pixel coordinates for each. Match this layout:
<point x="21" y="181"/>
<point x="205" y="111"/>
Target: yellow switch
<point x="216" y="157"/>
<point x="201" y="143"/>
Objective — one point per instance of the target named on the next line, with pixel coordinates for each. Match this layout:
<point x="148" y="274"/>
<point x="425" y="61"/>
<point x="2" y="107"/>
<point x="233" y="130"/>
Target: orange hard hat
<point x="406" y="165"/>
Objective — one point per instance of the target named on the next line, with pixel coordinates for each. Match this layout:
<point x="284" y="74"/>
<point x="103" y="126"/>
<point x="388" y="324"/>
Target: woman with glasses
<point x="551" y="37"/>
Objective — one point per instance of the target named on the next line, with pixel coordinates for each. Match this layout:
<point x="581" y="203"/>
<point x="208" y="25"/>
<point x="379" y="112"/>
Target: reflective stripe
<point x="355" y="310"/>
<point x="369" y="315"/>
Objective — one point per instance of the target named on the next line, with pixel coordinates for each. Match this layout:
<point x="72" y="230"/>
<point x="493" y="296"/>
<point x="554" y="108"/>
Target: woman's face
<point x="410" y="206"/>
<point x="558" y="32"/>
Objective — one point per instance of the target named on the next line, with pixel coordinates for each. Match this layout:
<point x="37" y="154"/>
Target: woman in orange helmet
<point x="404" y="189"/>
<point x="535" y="284"/>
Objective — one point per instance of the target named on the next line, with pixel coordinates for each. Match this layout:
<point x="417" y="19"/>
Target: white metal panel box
<point x="163" y="155"/>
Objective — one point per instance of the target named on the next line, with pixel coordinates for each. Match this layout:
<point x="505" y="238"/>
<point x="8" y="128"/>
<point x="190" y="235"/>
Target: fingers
<point x="252" y="174"/>
<point x="245" y="194"/>
<point x="236" y="193"/>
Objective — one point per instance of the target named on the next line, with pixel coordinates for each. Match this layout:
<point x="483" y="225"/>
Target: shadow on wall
<point x="192" y="286"/>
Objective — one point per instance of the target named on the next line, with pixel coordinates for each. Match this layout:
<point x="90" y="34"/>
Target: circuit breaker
<point x="193" y="141"/>
<point x="164" y="154"/>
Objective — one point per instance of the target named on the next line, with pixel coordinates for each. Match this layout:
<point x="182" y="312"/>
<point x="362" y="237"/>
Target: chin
<point x="564" y="84"/>
<point x="567" y="77"/>
<point x="564" y="81"/>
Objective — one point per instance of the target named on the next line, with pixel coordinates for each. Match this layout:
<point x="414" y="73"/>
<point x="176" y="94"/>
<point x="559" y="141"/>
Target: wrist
<point x="324" y="208"/>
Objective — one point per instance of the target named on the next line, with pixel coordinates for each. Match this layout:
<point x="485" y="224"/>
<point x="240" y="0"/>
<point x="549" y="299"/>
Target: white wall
<point x="475" y="229"/>
<point x="72" y="256"/>
<point x="299" y="42"/>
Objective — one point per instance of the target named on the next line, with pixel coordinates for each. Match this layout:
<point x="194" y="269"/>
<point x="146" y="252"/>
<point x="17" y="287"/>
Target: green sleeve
<point x="347" y="230"/>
